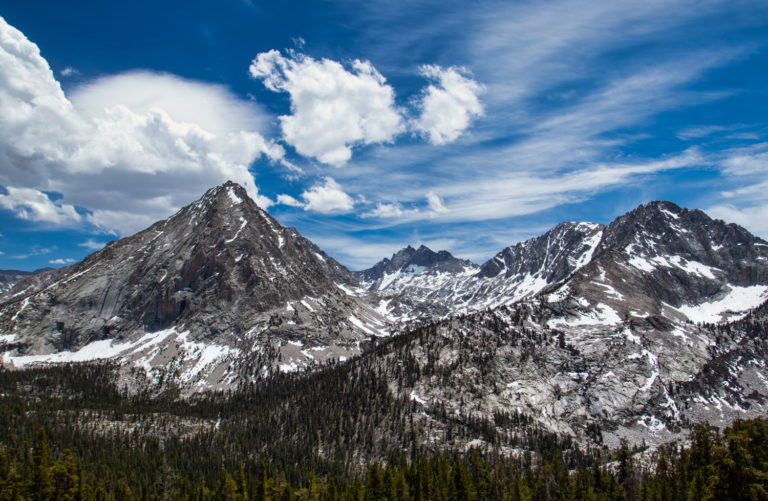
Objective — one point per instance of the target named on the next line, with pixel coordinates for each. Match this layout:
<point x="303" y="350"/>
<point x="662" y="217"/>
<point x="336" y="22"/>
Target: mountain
<point x="418" y="293"/>
<point x="657" y="322"/>
<point x="633" y="330"/>
<point x="673" y="264"/>
<point x="217" y="293"/>
<point x="9" y="278"/>
<point x="406" y="263"/>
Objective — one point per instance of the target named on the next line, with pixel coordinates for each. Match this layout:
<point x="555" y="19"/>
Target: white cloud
<point x="389" y="210"/>
<point x="749" y="161"/>
<point x="521" y="193"/>
<point x="36" y="251"/>
<point x="699" y="132"/>
<point x="435" y="203"/>
<point x="62" y="261"/>
<point x="34" y="205"/>
<point x="449" y="105"/>
<point x="555" y="123"/>
<point x="284" y="199"/>
<point x="745" y="202"/>
<point x="92" y="244"/>
<point x="125" y="147"/>
<point x="751" y="217"/>
<point x="185" y="101"/>
<point x="69" y="71"/>
<point x="327" y="198"/>
<point x="333" y="108"/>
<point x="528" y="193"/>
<point x="395" y="210"/>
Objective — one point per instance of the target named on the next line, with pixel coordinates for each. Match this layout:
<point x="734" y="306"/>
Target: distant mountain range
<point x="9" y="278"/>
<point x="632" y="330"/>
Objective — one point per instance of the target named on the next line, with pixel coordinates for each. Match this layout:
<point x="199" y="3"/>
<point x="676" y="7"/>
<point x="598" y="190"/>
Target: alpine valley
<point x="592" y="334"/>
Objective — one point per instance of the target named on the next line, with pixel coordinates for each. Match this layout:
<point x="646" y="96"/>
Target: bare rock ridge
<point x="655" y="322"/>
<point x="408" y="261"/>
<point x="413" y="293"/>
<point x="219" y="278"/>
<point x="552" y="256"/>
<point x="675" y="263"/>
<point x="632" y="330"/>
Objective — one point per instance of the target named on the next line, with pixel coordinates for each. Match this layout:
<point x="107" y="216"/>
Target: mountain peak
<point x="664" y="228"/>
<point x="227" y="194"/>
<point x="408" y="259"/>
<point x="218" y="271"/>
<point x="556" y="254"/>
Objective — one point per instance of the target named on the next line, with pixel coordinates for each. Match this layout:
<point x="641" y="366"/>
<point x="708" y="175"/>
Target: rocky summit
<point x="415" y="294"/>
<point x="218" y="292"/>
<point x="633" y="330"/>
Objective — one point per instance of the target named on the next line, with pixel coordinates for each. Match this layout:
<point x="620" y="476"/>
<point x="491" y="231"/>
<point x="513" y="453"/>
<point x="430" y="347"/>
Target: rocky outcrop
<point x="219" y="273"/>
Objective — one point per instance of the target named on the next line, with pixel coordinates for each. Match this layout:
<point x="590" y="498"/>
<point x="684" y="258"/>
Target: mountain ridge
<point x="586" y="327"/>
<point x="217" y="279"/>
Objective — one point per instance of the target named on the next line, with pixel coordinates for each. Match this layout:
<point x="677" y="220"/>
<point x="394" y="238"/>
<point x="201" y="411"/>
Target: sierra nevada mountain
<point x="218" y="293"/>
<point x="589" y="331"/>
<point x="416" y="291"/>
<point x="661" y="328"/>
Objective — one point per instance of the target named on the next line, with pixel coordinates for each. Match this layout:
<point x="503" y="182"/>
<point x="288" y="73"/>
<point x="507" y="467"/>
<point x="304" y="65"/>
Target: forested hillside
<point x="68" y="432"/>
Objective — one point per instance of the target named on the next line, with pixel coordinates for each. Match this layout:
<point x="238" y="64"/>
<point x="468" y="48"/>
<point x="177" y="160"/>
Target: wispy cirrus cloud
<point x="744" y="199"/>
<point x="562" y="106"/>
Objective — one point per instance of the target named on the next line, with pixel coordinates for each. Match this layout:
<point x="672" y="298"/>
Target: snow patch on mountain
<point x="233" y="196"/>
<point x="599" y="315"/>
<point x="731" y="306"/>
<point x="196" y="360"/>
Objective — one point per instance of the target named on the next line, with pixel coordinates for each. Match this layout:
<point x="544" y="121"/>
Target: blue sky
<point x="465" y="126"/>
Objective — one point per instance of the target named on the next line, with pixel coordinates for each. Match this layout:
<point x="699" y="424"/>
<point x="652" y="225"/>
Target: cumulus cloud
<point x="449" y="105"/>
<point x="333" y="107"/>
<point x="34" y="205"/>
<point x="327" y="198"/>
<point x="284" y="199"/>
<point x="62" y="261"/>
<point x="129" y="158"/>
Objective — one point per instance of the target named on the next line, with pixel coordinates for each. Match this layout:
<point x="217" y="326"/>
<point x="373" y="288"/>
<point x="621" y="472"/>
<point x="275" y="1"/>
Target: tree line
<point x="732" y="465"/>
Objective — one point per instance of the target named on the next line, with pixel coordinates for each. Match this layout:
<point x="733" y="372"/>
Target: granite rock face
<point x="633" y="330"/>
<point x="414" y="294"/>
<point x="220" y="273"/>
<point x="661" y="321"/>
